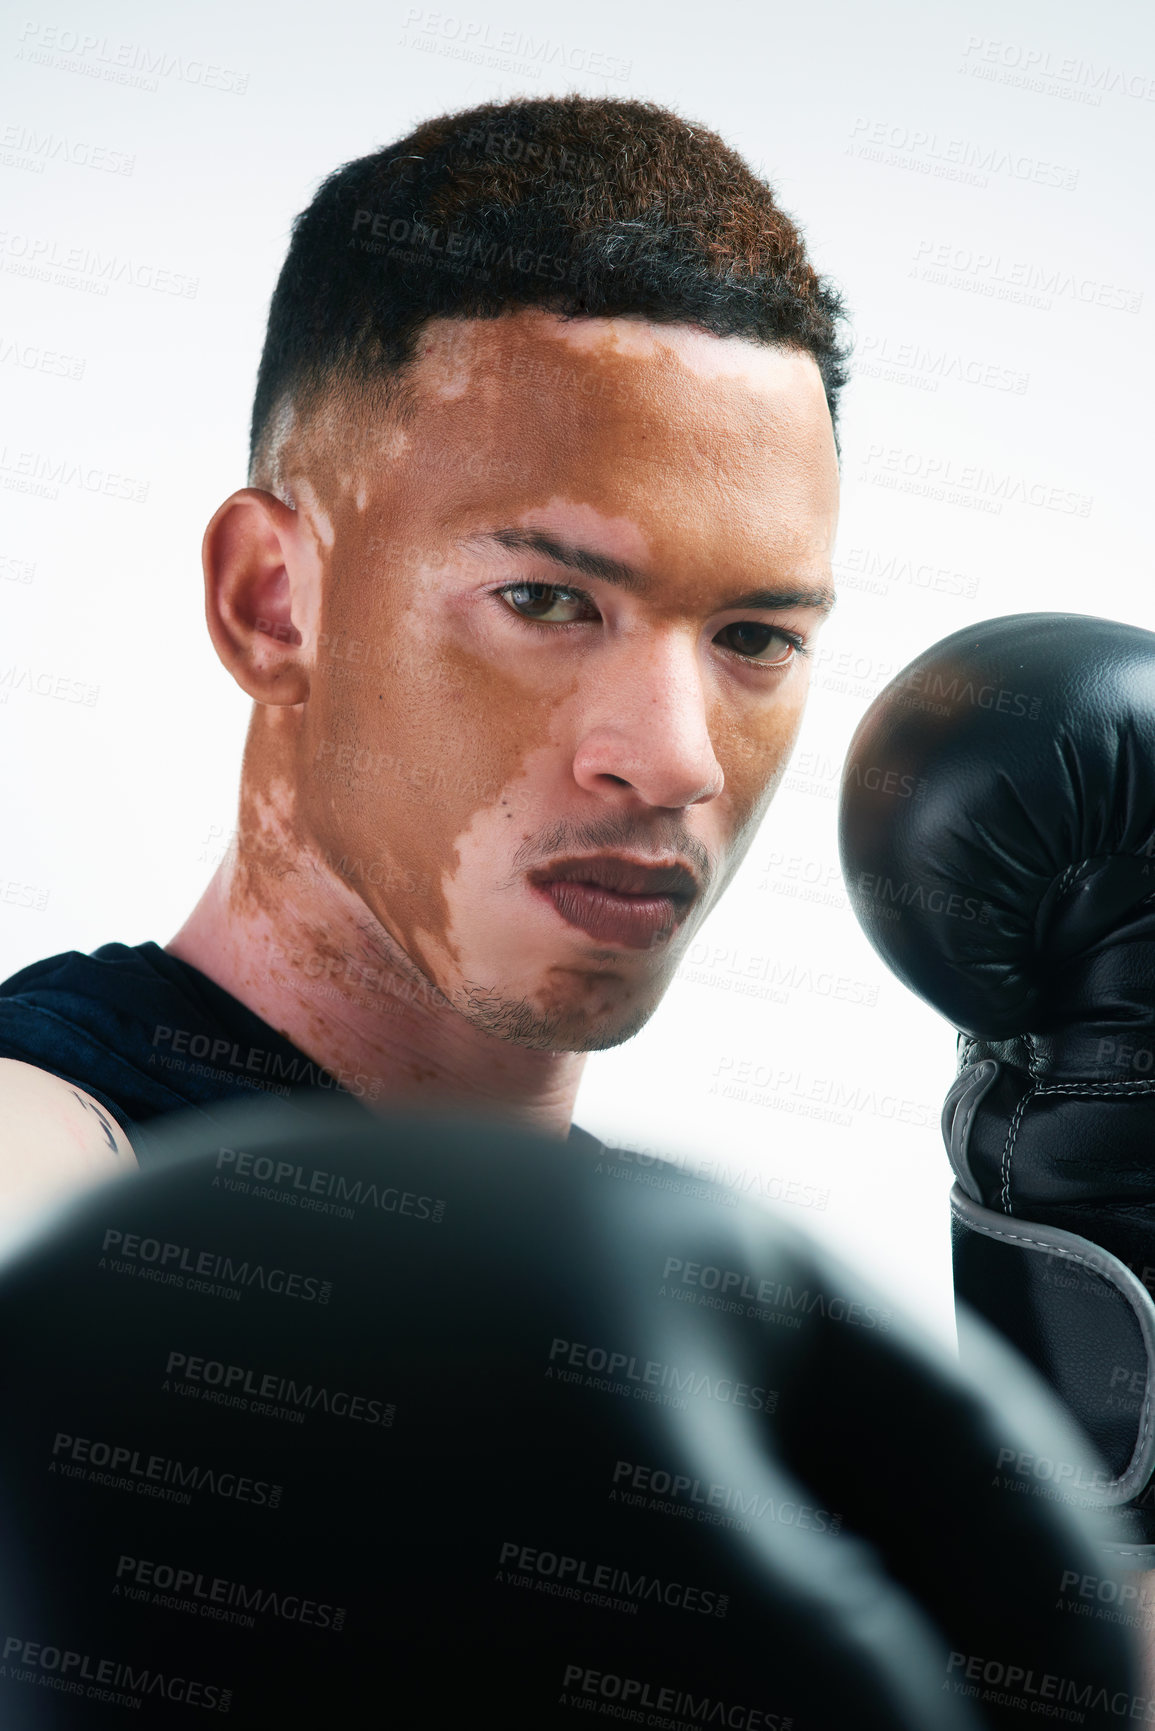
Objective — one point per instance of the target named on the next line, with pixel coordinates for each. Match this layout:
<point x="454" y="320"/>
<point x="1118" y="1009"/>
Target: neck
<point x="301" y="950"/>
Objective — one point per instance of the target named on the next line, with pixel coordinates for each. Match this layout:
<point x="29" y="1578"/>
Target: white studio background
<point x="975" y="176"/>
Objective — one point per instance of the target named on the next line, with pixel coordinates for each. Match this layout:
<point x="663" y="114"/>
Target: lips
<point x="616" y="900"/>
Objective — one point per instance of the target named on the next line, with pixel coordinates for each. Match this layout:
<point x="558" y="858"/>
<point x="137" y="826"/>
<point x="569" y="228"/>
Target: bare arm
<point x="1138" y="1613"/>
<point x="54" y="1140"/>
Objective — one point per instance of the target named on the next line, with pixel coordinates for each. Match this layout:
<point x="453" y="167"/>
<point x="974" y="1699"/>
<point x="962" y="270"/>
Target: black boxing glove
<point x="325" y="1417"/>
<point x="997" y="836"/>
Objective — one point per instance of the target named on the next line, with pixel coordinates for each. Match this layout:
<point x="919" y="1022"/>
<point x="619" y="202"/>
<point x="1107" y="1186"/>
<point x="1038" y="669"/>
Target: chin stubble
<point x="522" y="1023"/>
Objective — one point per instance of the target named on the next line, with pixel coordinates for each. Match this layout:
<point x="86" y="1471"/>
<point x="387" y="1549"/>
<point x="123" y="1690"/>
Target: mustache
<point x="629" y="834"/>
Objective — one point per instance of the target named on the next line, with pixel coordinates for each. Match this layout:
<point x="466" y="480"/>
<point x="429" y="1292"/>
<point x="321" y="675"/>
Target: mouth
<point x="616" y="900"/>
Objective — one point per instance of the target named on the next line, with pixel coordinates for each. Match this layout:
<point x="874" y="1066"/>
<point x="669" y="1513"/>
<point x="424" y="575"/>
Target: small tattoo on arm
<point x="90" y="1106"/>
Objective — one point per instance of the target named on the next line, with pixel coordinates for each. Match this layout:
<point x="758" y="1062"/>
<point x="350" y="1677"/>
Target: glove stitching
<point x="1008" y="1150"/>
<point x="1121" y="1088"/>
<point x="1082" y="1262"/>
<point x="964" y="1128"/>
<point x="1035" y="1244"/>
<point x="1065" y="880"/>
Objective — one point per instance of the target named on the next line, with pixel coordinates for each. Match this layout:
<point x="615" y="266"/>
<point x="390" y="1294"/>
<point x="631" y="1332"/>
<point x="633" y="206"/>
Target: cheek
<point x="753" y="749"/>
<point x="420" y="746"/>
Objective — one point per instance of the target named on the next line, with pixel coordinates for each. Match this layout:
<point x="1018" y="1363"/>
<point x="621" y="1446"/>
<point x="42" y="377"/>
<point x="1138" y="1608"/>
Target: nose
<point x="645" y="729"/>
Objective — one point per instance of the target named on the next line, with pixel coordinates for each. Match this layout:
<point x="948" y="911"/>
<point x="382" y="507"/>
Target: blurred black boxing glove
<point x="996" y="834"/>
<point x="324" y="1418"/>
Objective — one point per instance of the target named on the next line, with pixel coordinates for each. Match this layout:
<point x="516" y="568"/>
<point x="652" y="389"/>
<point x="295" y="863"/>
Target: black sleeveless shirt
<point x="145" y="1034"/>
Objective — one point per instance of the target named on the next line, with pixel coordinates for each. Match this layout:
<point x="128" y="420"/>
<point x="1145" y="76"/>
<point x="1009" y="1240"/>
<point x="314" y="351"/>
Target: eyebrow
<point x="590" y="564"/>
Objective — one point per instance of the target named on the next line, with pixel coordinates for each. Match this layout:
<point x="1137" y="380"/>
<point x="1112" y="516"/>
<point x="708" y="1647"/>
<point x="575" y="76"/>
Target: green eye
<point x="751" y="639"/>
<point x="545" y="603"/>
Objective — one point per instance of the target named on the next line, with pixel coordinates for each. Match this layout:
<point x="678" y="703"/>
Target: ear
<point x="262" y="577"/>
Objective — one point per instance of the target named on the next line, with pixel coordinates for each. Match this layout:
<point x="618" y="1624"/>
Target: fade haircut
<point x="581" y="206"/>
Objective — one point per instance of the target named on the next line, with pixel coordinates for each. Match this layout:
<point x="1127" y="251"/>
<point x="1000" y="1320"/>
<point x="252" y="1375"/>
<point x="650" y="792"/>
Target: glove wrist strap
<point x="1087" y="1323"/>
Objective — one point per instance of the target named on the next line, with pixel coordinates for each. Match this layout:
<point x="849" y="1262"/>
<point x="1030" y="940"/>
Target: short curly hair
<point x="581" y="206"/>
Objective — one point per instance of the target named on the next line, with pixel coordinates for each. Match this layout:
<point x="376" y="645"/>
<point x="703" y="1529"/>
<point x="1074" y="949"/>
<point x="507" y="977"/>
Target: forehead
<point x="601" y="376"/>
<point x="452" y="353"/>
<point x="683" y="449"/>
<point x="637" y="419"/>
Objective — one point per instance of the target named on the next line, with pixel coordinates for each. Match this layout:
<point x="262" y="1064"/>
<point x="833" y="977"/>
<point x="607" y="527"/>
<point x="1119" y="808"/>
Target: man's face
<point x="555" y="681"/>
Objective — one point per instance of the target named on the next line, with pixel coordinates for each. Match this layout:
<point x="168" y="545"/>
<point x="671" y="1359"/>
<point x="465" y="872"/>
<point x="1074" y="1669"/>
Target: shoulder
<point x="53" y="1134"/>
<point x="105" y="1022"/>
